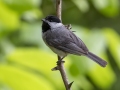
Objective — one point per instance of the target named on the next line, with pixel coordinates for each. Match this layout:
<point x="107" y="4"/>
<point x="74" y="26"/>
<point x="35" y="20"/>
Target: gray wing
<point x="65" y="40"/>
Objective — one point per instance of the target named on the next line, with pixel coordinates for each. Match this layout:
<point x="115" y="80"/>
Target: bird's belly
<point x="58" y="52"/>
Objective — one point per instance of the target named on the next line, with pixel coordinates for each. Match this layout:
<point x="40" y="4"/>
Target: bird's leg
<point x="60" y="60"/>
<point x="69" y="27"/>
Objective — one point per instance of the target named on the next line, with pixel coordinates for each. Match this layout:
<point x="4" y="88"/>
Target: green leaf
<point x="38" y="61"/>
<point x="8" y="18"/>
<point x="102" y="77"/>
<point x="82" y="5"/>
<point x="19" y="79"/>
<point x="33" y="58"/>
<point x="113" y="41"/>
<point x="107" y="7"/>
<point x="22" y="5"/>
<point x="31" y="34"/>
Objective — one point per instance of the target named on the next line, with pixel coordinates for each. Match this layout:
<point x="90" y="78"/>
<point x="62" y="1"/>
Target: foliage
<point x="26" y="62"/>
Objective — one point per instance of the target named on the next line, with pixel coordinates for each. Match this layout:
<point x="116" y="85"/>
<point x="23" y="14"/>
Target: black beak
<point x="43" y="20"/>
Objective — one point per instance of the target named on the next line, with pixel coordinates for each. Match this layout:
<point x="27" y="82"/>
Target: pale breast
<point x="58" y="52"/>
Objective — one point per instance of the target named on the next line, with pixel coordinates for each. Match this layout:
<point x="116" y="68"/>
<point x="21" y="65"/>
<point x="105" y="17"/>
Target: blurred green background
<point x="26" y="62"/>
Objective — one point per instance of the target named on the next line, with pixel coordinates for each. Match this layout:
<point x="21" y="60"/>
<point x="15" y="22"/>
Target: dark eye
<point x="50" y="20"/>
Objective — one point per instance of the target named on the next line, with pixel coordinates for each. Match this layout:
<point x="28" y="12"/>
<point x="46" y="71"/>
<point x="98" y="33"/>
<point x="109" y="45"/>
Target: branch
<point x="59" y="8"/>
<point x="60" y="62"/>
<point x="60" y="67"/>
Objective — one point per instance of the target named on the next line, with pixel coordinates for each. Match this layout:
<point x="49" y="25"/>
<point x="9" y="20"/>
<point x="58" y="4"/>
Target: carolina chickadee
<point x="63" y="41"/>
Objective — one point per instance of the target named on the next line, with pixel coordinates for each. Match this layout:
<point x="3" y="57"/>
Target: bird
<point x="63" y="41"/>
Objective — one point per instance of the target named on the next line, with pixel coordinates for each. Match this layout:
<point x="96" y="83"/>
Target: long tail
<point x="97" y="59"/>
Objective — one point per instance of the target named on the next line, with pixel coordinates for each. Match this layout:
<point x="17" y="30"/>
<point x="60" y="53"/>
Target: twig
<point x="59" y="8"/>
<point x="60" y="62"/>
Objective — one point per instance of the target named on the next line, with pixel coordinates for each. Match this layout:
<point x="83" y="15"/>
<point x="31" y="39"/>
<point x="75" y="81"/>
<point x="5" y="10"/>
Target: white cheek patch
<point x="55" y="25"/>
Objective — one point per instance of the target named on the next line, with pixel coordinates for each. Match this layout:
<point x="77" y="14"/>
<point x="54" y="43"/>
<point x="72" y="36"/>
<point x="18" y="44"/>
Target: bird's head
<point x="50" y="22"/>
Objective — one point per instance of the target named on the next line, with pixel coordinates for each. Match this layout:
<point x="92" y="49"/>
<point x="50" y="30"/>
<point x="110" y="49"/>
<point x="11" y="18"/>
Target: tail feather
<point x="97" y="59"/>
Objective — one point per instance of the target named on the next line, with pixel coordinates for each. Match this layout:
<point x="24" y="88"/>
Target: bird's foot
<point x="69" y="27"/>
<point x="60" y="61"/>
